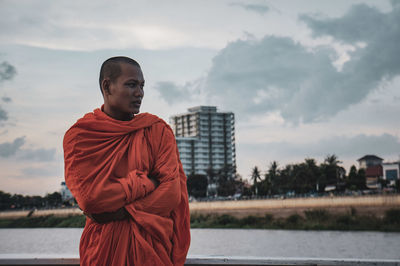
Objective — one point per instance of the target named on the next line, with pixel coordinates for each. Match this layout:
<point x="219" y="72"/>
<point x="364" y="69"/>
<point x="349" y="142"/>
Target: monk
<point x="124" y="171"/>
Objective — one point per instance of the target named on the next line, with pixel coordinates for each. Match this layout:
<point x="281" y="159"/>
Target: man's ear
<point x="105" y="86"/>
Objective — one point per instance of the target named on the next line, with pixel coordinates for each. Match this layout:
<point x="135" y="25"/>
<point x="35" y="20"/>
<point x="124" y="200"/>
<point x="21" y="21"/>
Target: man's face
<point x="126" y="93"/>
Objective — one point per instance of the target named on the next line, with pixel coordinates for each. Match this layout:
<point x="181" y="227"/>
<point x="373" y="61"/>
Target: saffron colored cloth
<point x="107" y="164"/>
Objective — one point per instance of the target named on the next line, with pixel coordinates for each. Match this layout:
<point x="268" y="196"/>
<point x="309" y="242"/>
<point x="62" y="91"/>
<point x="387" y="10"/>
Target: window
<point x="391" y="174"/>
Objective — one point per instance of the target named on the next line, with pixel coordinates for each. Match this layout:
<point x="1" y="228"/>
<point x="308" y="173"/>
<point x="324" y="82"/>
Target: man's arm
<point x="118" y="215"/>
<point x="166" y="168"/>
<point x="91" y="182"/>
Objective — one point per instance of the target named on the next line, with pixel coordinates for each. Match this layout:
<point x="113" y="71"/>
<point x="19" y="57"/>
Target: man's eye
<point x="132" y="84"/>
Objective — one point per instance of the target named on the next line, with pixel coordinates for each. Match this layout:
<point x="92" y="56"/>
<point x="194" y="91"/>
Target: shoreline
<point x="318" y="219"/>
<point x="362" y="213"/>
<point x="370" y="204"/>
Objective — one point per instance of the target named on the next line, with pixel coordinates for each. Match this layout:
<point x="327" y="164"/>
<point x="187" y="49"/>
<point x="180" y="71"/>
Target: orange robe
<point x="107" y="162"/>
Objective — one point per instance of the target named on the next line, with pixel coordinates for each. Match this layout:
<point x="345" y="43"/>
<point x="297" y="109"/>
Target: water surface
<point x="225" y="242"/>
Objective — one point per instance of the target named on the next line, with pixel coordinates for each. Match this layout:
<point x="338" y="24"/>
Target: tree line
<point x="303" y="178"/>
<point x="17" y="201"/>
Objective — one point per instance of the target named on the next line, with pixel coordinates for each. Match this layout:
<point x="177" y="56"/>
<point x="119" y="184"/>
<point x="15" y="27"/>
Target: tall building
<point x="205" y="139"/>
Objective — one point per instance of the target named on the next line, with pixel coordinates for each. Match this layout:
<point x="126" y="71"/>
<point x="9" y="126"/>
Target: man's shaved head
<point x="111" y="68"/>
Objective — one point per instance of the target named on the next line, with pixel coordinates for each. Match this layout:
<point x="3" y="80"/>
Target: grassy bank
<point x="44" y="221"/>
<point x="309" y="220"/>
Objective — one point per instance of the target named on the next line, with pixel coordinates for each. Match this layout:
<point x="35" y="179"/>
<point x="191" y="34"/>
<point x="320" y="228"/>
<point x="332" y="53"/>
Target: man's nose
<point x="139" y="92"/>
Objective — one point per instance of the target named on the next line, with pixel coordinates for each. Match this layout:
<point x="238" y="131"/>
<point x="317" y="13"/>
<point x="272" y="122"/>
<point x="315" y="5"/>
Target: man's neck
<point x="116" y="114"/>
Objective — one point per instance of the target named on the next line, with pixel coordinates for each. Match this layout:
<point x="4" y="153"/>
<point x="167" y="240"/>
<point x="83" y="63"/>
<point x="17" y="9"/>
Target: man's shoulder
<point x="75" y="127"/>
<point x="158" y="122"/>
<point x="160" y="127"/>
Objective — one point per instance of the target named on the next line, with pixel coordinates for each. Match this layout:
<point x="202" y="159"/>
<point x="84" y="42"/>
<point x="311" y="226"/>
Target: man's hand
<point x="107" y="217"/>
<point x="154" y="180"/>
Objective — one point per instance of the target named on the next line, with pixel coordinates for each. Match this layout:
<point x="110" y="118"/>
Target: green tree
<point x="255" y="177"/>
<point x="330" y="172"/>
<point x="226" y="181"/>
<point x="313" y="172"/>
<point x="54" y="199"/>
<point x="271" y="178"/>
<point x="352" y="178"/>
<point x="361" y="181"/>
<point x="197" y="185"/>
<point x="285" y="182"/>
<point x="5" y="200"/>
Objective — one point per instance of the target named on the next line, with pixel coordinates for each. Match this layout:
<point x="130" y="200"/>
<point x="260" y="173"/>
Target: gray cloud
<point x="379" y="31"/>
<point x="38" y="172"/>
<point x="37" y="154"/>
<point x="3" y="114"/>
<point x="7" y="71"/>
<point x="8" y="149"/>
<point x="171" y="92"/>
<point x="278" y="74"/>
<point x="258" y="8"/>
<point x="382" y="145"/>
<point x="6" y="99"/>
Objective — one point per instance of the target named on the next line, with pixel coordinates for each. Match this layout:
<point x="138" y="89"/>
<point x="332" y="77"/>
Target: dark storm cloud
<point x="8" y="149"/>
<point x="384" y="145"/>
<point x="258" y="8"/>
<point x="278" y="74"/>
<point x="7" y="71"/>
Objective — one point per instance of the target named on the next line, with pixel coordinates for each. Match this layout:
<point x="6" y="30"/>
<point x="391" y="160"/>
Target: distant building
<point x="373" y="170"/>
<point x="65" y="193"/>
<point x="369" y="160"/>
<point x="391" y="172"/>
<point x="376" y="169"/>
<point x="205" y="139"/>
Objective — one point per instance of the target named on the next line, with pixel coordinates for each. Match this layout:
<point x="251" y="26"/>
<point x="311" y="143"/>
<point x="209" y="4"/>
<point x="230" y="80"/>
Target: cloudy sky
<point x="305" y="78"/>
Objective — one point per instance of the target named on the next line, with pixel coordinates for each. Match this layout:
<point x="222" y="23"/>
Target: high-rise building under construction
<point x="206" y="140"/>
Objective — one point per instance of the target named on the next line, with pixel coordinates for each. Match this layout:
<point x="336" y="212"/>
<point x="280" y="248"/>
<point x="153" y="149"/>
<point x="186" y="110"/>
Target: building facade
<point x="206" y="140"/>
<point x="391" y="172"/>
<point x="66" y="195"/>
<point x="376" y="169"/>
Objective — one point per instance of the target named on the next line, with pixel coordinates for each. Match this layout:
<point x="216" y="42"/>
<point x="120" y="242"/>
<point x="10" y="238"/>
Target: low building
<point x="391" y="172"/>
<point x="372" y="165"/>
<point x="369" y="160"/>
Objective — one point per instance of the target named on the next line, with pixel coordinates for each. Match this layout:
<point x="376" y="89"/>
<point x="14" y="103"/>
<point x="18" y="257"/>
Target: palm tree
<point x="313" y="172"/>
<point x="271" y="177"/>
<point x="331" y="170"/>
<point x="255" y="176"/>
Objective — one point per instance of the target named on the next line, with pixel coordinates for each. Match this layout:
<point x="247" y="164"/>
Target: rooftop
<point x="370" y="157"/>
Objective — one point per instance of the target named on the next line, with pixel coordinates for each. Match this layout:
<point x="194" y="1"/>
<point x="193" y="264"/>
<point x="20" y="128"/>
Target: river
<point x="63" y="242"/>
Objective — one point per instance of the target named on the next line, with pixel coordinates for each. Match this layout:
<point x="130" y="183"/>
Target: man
<point x="123" y="169"/>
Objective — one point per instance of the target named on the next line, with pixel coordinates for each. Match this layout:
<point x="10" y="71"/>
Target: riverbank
<point x="318" y="219"/>
<point x="375" y="205"/>
<point x="281" y="208"/>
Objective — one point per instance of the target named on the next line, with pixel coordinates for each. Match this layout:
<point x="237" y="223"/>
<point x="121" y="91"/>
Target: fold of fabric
<point x="107" y="165"/>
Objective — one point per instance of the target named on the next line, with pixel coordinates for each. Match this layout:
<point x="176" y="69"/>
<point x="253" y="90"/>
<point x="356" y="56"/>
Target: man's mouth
<point x="137" y="103"/>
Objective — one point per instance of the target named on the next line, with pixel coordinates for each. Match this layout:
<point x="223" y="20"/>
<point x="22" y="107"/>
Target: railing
<point x="214" y="260"/>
